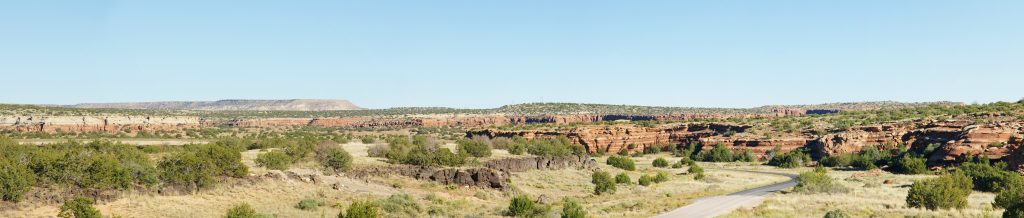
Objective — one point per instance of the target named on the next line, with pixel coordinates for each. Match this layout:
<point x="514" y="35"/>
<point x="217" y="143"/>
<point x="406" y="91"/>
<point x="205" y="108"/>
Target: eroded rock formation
<point x="494" y="174"/>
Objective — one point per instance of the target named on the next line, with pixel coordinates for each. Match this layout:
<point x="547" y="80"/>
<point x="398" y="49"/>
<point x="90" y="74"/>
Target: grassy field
<point x="872" y="194"/>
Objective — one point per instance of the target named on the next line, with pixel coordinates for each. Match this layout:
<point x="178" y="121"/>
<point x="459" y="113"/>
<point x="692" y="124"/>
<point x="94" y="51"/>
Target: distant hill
<point x="233" y="105"/>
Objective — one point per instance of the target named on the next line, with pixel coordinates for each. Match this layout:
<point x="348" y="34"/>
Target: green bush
<point x="573" y="209"/>
<point x="79" y="208"/>
<point x="15" y="180"/>
<point x="817" y="181"/>
<point x="621" y="162"/>
<point x="622" y="178"/>
<point x="791" y="159"/>
<point x="660" y="162"/>
<point x="660" y="177"/>
<point x="95" y="165"/>
<point x="603" y="182"/>
<point x="947" y="191"/>
<point x="308" y="204"/>
<point x="990" y="178"/>
<point x="474" y="148"/>
<point x="275" y="160"/>
<point x="842" y="160"/>
<point x="1009" y="197"/>
<point x="645" y="180"/>
<point x="401" y="205"/>
<point x="422" y="153"/>
<point x="907" y="164"/>
<point x="678" y="164"/>
<point x="197" y="166"/>
<point x="696" y="171"/>
<point x="720" y="153"/>
<point x="523" y="206"/>
<point x="336" y="159"/>
<point x="746" y="156"/>
<point x="837" y="214"/>
<point x="559" y="146"/>
<point x="360" y="209"/>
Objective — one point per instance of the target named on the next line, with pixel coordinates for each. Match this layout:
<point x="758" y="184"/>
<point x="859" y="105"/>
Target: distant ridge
<point x="233" y="105"/>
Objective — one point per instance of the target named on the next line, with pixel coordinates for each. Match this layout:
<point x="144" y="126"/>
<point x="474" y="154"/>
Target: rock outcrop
<point x="613" y="138"/>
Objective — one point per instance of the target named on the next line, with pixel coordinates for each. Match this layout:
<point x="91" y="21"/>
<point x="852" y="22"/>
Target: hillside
<point x="233" y="105"/>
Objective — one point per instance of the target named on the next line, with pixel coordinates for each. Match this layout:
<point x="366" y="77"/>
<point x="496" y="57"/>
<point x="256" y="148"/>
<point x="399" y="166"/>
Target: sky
<point x="484" y="54"/>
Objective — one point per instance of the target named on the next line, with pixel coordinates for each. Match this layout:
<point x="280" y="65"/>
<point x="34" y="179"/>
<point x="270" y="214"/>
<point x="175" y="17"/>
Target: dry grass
<point x="279" y="196"/>
<point x="868" y="197"/>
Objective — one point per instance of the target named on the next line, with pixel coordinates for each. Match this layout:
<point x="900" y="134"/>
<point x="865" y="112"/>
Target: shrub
<point x="15" y="180"/>
<point x="1009" y="197"/>
<point x="817" y="181"/>
<point x="660" y="162"/>
<point x="837" y="214"/>
<point x="842" y="160"/>
<point x="650" y="149"/>
<point x="907" y="164"/>
<point x="79" y="208"/>
<point x="559" y="146"/>
<point x="603" y="182"/>
<point x="523" y="206"/>
<point x="660" y="177"/>
<point x="422" y="153"/>
<point x="573" y="209"/>
<point x="360" y="209"/>
<point x="275" y="160"/>
<point x="746" y="156"/>
<point x="698" y="173"/>
<point x="400" y="204"/>
<point x="791" y="159"/>
<point x="947" y="191"/>
<point x="990" y="178"/>
<point x="621" y="162"/>
<point x="718" y="154"/>
<point x="645" y="180"/>
<point x="622" y="178"/>
<point x="336" y="159"/>
<point x="678" y="164"/>
<point x="308" y="204"/>
<point x="474" y="148"/>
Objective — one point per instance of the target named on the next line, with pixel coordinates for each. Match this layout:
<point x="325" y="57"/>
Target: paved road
<point x="707" y="207"/>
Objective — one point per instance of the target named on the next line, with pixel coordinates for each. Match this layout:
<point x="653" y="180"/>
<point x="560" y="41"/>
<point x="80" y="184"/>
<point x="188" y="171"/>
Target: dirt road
<point x="722" y="204"/>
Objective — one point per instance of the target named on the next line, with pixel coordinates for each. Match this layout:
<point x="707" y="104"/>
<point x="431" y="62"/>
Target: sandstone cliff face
<point x="110" y="124"/>
<point x="956" y="138"/>
<point x="614" y="138"/>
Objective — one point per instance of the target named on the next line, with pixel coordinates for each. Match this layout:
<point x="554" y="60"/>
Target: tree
<point x="15" y="180"/>
<point x="907" y="164"/>
<point x="275" y="160"/>
<point x="336" y="159"/>
<point x="603" y="182"/>
<point x="816" y="181"/>
<point x="474" y="148"/>
<point x="79" y="208"/>
<point x="947" y="191"/>
<point x="720" y="153"/>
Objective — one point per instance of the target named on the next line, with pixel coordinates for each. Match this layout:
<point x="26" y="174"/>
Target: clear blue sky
<point x="473" y="54"/>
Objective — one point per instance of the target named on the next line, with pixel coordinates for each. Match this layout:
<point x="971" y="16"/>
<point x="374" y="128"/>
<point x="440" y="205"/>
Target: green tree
<point x="621" y="162"/>
<point x="15" y="180"/>
<point x="947" y="191"/>
<point x="275" y="160"/>
<point x="336" y="159"/>
<point x="474" y="148"/>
